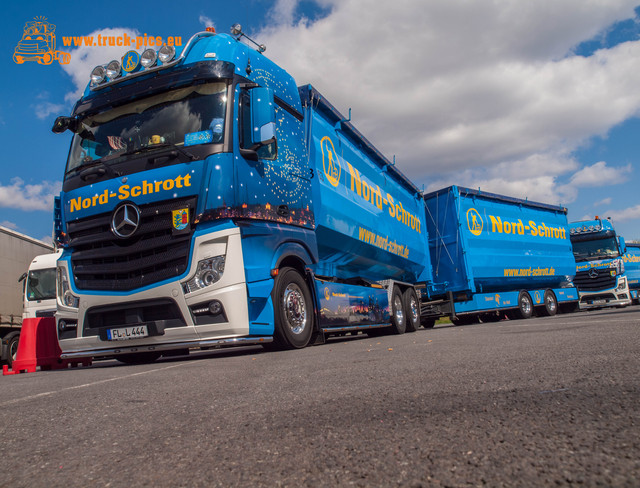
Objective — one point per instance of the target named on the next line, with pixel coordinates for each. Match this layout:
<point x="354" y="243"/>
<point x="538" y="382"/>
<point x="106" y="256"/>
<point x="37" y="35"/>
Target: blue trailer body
<point x="487" y="248"/>
<point x="631" y="261"/>
<point x="209" y="201"/>
<point x="600" y="270"/>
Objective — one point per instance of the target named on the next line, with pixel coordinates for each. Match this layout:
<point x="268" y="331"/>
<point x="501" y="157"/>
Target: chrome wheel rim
<point x="295" y="309"/>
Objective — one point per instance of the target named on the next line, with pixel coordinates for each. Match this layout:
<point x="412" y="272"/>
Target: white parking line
<point x="86" y="385"/>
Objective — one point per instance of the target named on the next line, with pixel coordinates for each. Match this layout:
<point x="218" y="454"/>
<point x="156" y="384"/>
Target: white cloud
<point x="485" y="92"/>
<point x="599" y="174"/>
<point x="9" y="225"/>
<point x="629" y="213"/>
<point x="22" y="196"/>
<point x="604" y="201"/>
<point x="46" y="109"/>
<point x="206" y="21"/>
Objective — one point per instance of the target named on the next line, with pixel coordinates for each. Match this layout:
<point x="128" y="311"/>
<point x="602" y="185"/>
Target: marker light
<point x="113" y="70"/>
<point x="166" y="53"/>
<point x="211" y="29"/>
<point x="98" y="75"/>
<point x="148" y="58"/>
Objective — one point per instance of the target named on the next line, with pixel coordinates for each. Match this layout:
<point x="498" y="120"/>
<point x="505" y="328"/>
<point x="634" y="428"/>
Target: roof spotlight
<point x="98" y="75"/>
<point x="113" y="70"/>
<point x="166" y="53"/>
<point x="148" y="58"/>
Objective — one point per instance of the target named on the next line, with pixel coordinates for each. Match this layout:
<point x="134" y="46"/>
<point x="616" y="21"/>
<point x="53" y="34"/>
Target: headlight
<point x="98" y="75"/>
<point x="209" y="271"/>
<point x="113" y="70"/>
<point x="148" y="58"/>
<point x="65" y="296"/>
<point x="622" y="284"/>
<point x="166" y="53"/>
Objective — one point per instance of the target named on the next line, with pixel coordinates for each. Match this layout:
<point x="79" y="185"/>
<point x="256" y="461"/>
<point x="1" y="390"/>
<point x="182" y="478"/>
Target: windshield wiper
<point x="169" y="145"/>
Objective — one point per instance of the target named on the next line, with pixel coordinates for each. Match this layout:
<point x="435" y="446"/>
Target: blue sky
<point x="538" y="101"/>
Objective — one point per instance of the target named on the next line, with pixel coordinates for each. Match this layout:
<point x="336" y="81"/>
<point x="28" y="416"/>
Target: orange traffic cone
<point x="39" y="346"/>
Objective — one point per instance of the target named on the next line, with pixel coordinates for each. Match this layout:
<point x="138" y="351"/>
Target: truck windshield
<point x="596" y="249"/>
<point x="194" y="113"/>
<point x="41" y="284"/>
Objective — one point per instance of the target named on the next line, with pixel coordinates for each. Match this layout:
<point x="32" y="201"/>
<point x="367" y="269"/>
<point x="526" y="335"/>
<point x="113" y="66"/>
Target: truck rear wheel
<point x="398" y="316"/>
<point x="412" y="309"/>
<point x="293" y="310"/>
<point x="525" y="306"/>
<point x="550" y="304"/>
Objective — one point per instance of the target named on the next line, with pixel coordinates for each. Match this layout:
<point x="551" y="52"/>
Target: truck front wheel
<point x="293" y="310"/>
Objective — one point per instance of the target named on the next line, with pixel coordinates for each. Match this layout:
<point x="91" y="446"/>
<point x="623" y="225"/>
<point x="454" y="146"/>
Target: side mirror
<point x="623" y="245"/>
<point x="63" y="123"/>
<point x="263" y="116"/>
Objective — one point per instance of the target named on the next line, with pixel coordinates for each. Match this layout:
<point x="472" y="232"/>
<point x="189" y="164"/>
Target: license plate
<point x="599" y="302"/>
<point x="126" y="333"/>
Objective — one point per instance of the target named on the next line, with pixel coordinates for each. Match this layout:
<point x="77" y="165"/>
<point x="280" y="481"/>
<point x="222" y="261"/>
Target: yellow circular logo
<point x="474" y="222"/>
<point x="327" y="295"/>
<point x="330" y="161"/>
<point x="537" y="296"/>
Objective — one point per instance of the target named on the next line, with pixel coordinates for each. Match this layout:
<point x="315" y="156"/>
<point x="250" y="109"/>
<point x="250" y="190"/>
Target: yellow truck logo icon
<point x="38" y="43"/>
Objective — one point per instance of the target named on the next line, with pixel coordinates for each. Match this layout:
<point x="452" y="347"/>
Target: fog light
<point x="215" y="307"/>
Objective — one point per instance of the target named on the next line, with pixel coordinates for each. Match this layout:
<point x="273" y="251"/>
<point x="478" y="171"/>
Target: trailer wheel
<point x="11" y="340"/>
<point x="398" y="316"/>
<point x="525" y="306"/>
<point x="293" y="310"/>
<point x="550" y="304"/>
<point x="412" y="309"/>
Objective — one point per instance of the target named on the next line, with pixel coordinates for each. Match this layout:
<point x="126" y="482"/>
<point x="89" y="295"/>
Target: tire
<point x="139" y="357"/>
<point x="428" y="322"/>
<point x="46" y="59"/>
<point x="525" y="306"/>
<point x="550" y="304"/>
<point x="293" y="310"/>
<point x="412" y="308"/>
<point x="398" y="316"/>
<point x="11" y="340"/>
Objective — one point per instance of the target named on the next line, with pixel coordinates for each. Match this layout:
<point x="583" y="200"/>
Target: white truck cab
<point x="40" y="287"/>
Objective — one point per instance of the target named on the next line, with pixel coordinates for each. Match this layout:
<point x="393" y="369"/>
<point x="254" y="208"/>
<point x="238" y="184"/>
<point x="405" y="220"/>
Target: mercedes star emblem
<point x="593" y="273"/>
<point x="125" y="220"/>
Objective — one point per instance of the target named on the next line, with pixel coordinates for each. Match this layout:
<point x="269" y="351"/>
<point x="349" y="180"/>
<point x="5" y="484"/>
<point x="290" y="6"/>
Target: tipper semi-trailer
<point x="494" y="255"/>
<point x="631" y="261"/>
<point x="600" y="269"/>
<point x="208" y="201"/>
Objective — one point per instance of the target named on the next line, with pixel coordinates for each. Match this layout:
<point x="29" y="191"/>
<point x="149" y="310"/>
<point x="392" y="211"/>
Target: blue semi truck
<point x="208" y="201"/>
<point x="494" y="255"/>
<point x="631" y="260"/>
<point x="600" y="270"/>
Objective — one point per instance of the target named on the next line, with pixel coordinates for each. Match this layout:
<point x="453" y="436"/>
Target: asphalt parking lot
<point x="541" y="402"/>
